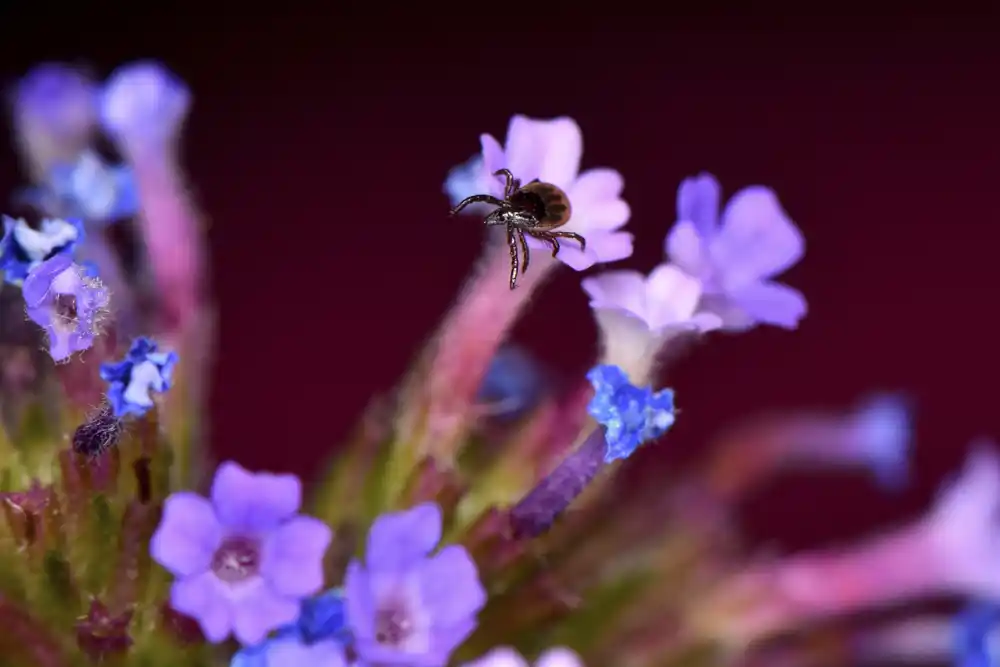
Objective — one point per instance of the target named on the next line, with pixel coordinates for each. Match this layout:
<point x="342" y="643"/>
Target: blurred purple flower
<point x="881" y="436"/>
<point x="404" y="606"/>
<point x="737" y="254"/>
<point x="57" y="99"/>
<point x="144" y="105"/>
<point x="245" y="559"/>
<point x="66" y="303"/>
<point x="550" y="150"/>
<point x="24" y="247"/>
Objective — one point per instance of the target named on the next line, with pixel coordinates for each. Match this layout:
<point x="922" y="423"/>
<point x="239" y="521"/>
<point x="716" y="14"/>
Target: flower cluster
<point x="489" y="516"/>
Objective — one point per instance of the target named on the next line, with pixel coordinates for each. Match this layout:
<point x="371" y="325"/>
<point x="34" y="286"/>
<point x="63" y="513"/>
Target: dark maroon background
<point x="318" y="146"/>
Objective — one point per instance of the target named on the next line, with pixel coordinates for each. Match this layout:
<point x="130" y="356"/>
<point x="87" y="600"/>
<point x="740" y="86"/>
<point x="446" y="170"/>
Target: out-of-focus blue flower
<point x="57" y="99"/>
<point x="88" y="189"/>
<point x="405" y="606"/>
<point x="631" y="415"/>
<point x="513" y="384"/>
<point x="321" y="621"/>
<point x="144" y="370"/>
<point x="737" y="254"/>
<point x="24" y="248"/>
<point x="66" y="303"/>
<point x="245" y="559"/>
<point x="977" y="636"/>
<point x="883" y="431"/>
<point x="144" y="105"/>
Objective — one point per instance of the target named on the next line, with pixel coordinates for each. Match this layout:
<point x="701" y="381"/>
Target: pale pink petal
<point x="757" y="238"/>
<point x="549" y="150"/>
<point x="671" y="297"/>
<point x="617" y="289"/>
<point x="493" y="160"/>
<point x="559" y="657"/>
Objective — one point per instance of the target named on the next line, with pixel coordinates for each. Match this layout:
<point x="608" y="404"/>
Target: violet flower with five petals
<point x="243" y="559"/>
<point x="67" y="303"/>
<point x="736" y="255"/>
<point x="405" y="606"/>
<point x="550" y="150"/>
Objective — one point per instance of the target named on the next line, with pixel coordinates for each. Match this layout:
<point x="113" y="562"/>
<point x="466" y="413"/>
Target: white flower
<point x="736" y="255"/>
<point x="550" y="150"/>
<point x="143" y="102"/>
<point x="638" y="314"/>
<point x="508" y="657"/>
<point x="38" y="244"/>
<point x="964" y="527"/>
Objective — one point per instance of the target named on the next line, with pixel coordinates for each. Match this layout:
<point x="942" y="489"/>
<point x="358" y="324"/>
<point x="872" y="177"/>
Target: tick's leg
<point x="547" y="236"/>
<point x="508" y="185"/>
<point x="512" y="242"/>
<point x="524" y="249"/>
<point x="570" y="235"/>
<point x="475" y="199"/>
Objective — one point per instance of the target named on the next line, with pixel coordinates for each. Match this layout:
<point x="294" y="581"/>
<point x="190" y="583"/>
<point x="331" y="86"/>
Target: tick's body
<point x="536" y="209"/>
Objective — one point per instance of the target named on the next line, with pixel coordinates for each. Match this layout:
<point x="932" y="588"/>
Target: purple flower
<point x="67" y="303"/>
<point x="144" y="105"/>
<point x="737" y="254"/>
<point x="58" y="99"/>
<point x="245" y="559"/>
<point x="405" y="606"/>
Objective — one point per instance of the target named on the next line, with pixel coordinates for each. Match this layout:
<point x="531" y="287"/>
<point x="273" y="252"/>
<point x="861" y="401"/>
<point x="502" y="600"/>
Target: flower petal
<point x="549" y="150"/>
<point x="254" y="501"/>
<point x="671" y="297"/>
<point x="449" y="587"/>
<point x="686" y="248"/>
<point x="188" y="535"/>
<point x="293" y="556"/>
<point x="199" y="598"/>
<point x="596" y="200"/>
<point x="698" y="203"/>
<point x="602" y="247"/>
<point x="772" y="303"/>
<point x="757" y="239"/>
<point x="617" y="289"/>
<point x="360" y="603"/>
<point x="493" y="159"/>
<point x="261" y="610"/>
<point x="37" y="287"/>
<point x="559" y="657"/>
<point x="503" y="656"/>
<point x="399" y="539"/>
<point x="293" y="653"/>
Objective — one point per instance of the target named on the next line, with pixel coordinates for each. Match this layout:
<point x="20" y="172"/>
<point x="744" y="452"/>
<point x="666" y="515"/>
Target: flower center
<point x="393" y="624"/>
<point x="65" y="307"/>
<point x="237" y="559"/>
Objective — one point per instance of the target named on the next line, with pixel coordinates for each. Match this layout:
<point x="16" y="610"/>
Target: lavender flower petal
<point x="291" y="653"/>
<point x="187" y="536"/>
<point x="260" y="610"/>
<point x="254" y="501"/>
<point x="771" y="303"/>
<point x="293" y="556"/>
<point x="199" y="597"/>
<point x="450" y="588"/>
<point x="698" y="203"/>
<point x="399" y="539"/>
<point x="360" y="601"/>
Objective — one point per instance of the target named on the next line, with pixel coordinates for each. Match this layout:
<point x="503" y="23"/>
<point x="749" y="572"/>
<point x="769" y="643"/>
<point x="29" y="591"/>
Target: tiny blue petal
<point x="323" y="617"/>
<point x="24" y="248"/>
<point x="631" y="416"/>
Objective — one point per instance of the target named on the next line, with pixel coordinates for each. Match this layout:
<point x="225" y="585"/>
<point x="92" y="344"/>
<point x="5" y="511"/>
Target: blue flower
<point x="321" y="623"/>
<point x="630" y="415"/>
<point x="976" y="636"/>
<point x="404" y="605"/>
<point x="95" y="191"/>
<point x="23" y="248"/>
<point x="288" y="651"/>
<point x="67" y="303"/>
<point x="513" y="384"/>
<point x="143" y="370"/>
